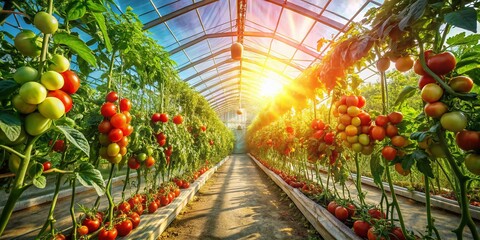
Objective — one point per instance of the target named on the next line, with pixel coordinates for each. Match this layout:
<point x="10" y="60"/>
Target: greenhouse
<point x="239" y="119"/>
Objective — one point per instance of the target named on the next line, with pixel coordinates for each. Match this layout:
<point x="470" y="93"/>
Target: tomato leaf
<point x="40" y="181"/>
<point x="95" y="7"/>
<point x="76" y="10"/>
<point x="376" y="168"/>
<point x="7" y="87"/>
<point x="406" y="93"/>
<point x="413" y="13"/>
<point x="87" y="175"/>
<point x="35" y="170"/>
<point x="465" y="18"/>
<point x="461" y="39"/>
<point x="103" y="28"/>
<point x="10" y="124"/>
<point x="76" y="138"/>
<point x="77" y="45"/>
<point x="423" y="164"/>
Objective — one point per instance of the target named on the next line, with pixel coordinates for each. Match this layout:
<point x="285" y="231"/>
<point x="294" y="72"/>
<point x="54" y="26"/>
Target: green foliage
<point x="10" y="124"/>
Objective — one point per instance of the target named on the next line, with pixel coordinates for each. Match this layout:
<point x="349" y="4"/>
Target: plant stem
<point x="394" y="201"/>
<point x="72" y="210"/>
<point x="50" y="218"/>
<point x="466" y="218"/>
<point x="430" y="226"/>
<point x="358" y="184"/>
<point x="46" y="38"/>
<point x="108" y="191"/>
<point x="127" y="180"/>
<point x="18" y="187"/>
<point x="110" y="70"/>
<point x="11" y="150"/>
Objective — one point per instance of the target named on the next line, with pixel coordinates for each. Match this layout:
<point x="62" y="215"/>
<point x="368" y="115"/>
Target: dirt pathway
<point x="240" y="202"/>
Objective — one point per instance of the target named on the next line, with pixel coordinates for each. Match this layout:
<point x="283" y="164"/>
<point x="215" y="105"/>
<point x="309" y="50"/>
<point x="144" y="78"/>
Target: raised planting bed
<point x="153" y="225"/>
<point x="323" y="221"/>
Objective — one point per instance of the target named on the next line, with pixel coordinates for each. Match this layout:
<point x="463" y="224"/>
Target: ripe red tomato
<point x="424" y="80"/>
<point x="156" y="117"/>
<point x="396" y="233"/>
<point x="391" y="130"/>
<point x="378" y="133"/>
<point x="59" y="236"/>
<point x="389" y="153"/>
<point x="332" y="206"/>
<point x="361" y="228"/>
<point x="442" y="63"/>
<point x="46" y="165"/>
<point x="404" y="64"/>
<point x="128" y="116"/>
<point x="71" y="82"/>
<point x="372" y="235"/>
<point x="462" y="84"/>
<point x="152" y="207"/>
<point x="395" y="117"/>
<point x="468" y="140"/>
<point x="59" y="146"/>
<point x="417" y="68"/>
<point x="351" y="100"/>
<point x="435" y="109"/>
<point x="150" y="161"/>
<point x="133" y="163"/>
<point x="104" y="127"/>
<point x="124" y="207"/>
<point x="329" y="138"/>
<point x="93" y="224"/>
<point x="376" y="213"/>
<point x="135" y="218"/>
<point x="381" y="120"/>
<point x="351" y="210"/>
<point x="127" y="130"/>
<point x="124" y="227"/>
<point x="177" y="192"/>
<point x="383" y="64"/>
<point x="164" y="117"/>
<point x="341" y="213"/>
<point x="82" y="230"/>
<point x="115" y="135"/>
<point x="399" y="141"/>
<point x="185" y="185"/>
<point x="119" y="120"/>
<point x="64" y="97"/>
<point x="108" y="109"/>
<point x="125" y="105"/>
<point x="111" y="97"/>
<point x="178" y="119"/>
<point x="400" y="170"/>
<point x="361" y="101"/>
<point x="108" y="234"/>
<point x="123" y="142"/>
<point x="365" y="118"/>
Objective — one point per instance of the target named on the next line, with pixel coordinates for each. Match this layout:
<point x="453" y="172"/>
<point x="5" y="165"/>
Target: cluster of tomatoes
<point x="321" y="142"/>
<point x="115" y="128"/>
<point x="181" y="183"/>
<point x="354" y="124"/>
<point x="135" y="161"/>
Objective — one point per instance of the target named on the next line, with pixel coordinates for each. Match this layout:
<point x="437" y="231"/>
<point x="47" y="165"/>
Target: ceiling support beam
<point x="247" y="34"/>
<point x="176" y="13"/>
<point x="227" y="90"/>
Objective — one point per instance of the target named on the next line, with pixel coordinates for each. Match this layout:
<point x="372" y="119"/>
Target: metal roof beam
<point x="310" y="14"/>
<point x="248" y="34"/>
<point x="208" y="69"/>
<point x="233" y="99"/>
<point x="192" y="64"/>
<point x="232" y="92"/>
<point x="177" y="13"/>
<point x="228" y="90"/>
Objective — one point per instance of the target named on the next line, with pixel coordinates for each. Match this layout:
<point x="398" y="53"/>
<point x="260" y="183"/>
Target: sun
<point x="270" y="87"/>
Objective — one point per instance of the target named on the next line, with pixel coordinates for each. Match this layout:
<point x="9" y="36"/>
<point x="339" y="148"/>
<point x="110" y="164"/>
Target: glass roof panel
<point x="219" y="17"/>
<point x="195" y="80"/>
<point x="187" y="73"/>
<point x="302" y="59"/>
<point x="335" y="17"/>
<point x="263" y="13"/>
<point x="180" y="58"/>
<point x="259" y="43"/>
<point x="312" y="5"/>
<point x="364" y="10"/>
<point x="283" y="50"/>
<point x="320" y="30"/>
<point x="293" y="25"/>
<point x="164" y="36"/>
<point x="220" y="43"/>
<point x="202" y="66"/>
<point x="168" y="6"/>
<point x="292" y="72"/>
<point x="178" y="25"/>
<point x="197" y="50"/>
<point x="346" y="8"/>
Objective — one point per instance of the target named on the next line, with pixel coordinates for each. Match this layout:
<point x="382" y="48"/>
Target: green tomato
<point x="454" y="121"/>
<point x="22" y="106"/>
<point x="472" y="162"/>
<point x="20" y="139"/>
<point x="28" y="44"/>
<point x="33" y="92"/>
<point x="59" y="63"/>
<point x="25" y="74"/>
<point x="14" y="163"/>
<point x="149" y="151"/>
<point x="52" y="80"/>
<point x="364" y="139"/>
<point x="103" y="152"/>
<point x="116" y="159"/>
<point x="45" y="22"/>
<point x="436" y="150"/>
<point x="36" y="124"/>
<point x="141" y="157"/>
<point x="104" y="139"/>
<point x="357" y="147"/>
<point x="113" y="149"/>
<point x="52" y="108"/>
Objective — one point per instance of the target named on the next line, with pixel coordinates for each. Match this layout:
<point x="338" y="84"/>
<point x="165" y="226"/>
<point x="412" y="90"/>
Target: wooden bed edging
<point x="323" y="221"/>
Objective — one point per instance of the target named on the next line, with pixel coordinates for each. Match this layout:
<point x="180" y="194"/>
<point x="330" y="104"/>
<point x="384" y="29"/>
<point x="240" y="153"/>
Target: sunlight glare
<point x="270" y="87"/>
